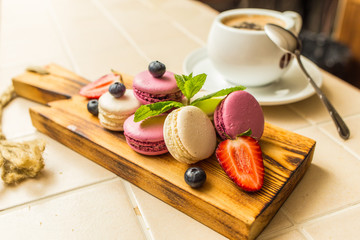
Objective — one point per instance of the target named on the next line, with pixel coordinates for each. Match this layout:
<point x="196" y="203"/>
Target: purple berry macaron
<point x="237" y="113"/>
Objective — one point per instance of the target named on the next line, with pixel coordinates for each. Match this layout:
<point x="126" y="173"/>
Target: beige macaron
<point x="189" y="135"/>
<point x="114" y="111"/>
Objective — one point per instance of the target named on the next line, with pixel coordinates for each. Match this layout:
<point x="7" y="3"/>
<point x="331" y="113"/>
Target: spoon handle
<point x="341" y="126"/>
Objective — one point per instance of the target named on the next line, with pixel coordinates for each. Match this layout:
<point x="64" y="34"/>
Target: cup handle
<point x="298" y="21"/>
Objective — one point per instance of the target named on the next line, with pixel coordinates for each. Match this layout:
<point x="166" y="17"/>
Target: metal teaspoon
<point x="288" y="42"/>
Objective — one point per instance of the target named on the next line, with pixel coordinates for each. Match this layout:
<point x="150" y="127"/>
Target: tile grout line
<point x="301" y="226"/>
<point x="56" y="195"/>
<point x="271" y="235"/>
<point x="295" y="227"/>
<point x="293" y="109"/>
<point x="305" y="233"/>
<point x="342" y="144"/>
<point x="331" y="213"/>
<point x="125" y="34"/>
<point x="187" y="33"/>
<point x="338" y="139"/>
<point x="141" y="219"/>
<point x="24" y="135"/>
<point x="318" y="126"/>
<point x="282" y="230"/>
<point x="314" y="123"/>
<point x="176" y="24"/>
<point x="62" y="37"/>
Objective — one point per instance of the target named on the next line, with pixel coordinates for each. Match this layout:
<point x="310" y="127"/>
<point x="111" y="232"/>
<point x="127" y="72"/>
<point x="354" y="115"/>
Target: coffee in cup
<point x="252" y="21"/>
<point x="240" y="50"/>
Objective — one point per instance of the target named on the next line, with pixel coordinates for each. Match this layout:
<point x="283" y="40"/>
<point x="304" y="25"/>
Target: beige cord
<point x="18" y="161"/>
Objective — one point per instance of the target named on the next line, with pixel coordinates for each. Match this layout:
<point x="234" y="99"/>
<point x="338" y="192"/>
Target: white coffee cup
<point x="248" y="57"/>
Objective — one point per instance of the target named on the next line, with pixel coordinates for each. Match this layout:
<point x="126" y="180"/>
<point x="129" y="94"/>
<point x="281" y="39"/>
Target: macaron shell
<point x="237" y="113"/>
<point x="146" y="137"/>
<point x="127" y="104"/>
<point x="114" y="124"/>
<point x="189" y="134"/>
<point x="145" y="82"/>
<point x="173" y="142"/>
<point x="148" y="130"/>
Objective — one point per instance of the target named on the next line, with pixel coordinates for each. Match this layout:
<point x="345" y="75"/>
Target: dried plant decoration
<point x="22" y="160"/>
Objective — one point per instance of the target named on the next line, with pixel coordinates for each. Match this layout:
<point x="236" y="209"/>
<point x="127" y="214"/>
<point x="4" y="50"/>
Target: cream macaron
<point x="189" y="134"/>
<point x="114" y="111"/>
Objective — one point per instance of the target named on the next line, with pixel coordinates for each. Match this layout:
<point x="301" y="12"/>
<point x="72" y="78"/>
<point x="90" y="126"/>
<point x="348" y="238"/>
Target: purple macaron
<point x="237" y="113"/>
<point x="146" y="137"/>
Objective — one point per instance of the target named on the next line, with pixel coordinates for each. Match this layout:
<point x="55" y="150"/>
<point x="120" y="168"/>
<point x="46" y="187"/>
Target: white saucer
<point x="291" y="87"/>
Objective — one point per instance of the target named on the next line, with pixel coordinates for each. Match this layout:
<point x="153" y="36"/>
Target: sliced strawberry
<point x="99" y="86"/>
<point x="242" y="161"/>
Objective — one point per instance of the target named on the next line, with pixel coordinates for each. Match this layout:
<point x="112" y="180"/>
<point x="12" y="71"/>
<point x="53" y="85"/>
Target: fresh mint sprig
<point x="189" y="86"/>
<point x="154" y="109"/>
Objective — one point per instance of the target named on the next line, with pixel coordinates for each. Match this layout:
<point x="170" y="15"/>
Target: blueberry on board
<point x="117" y="89"/>
<point x="92" y="107"/>
<point x="157" y="69"/>
<point x="195" y="177"/>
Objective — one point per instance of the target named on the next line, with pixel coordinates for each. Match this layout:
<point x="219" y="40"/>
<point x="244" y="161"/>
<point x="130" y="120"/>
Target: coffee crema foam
<point x="252" y="21"/>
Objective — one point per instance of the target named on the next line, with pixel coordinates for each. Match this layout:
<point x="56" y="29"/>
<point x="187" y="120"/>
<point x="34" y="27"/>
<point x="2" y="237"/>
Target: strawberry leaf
<point x="154" y="109"/>
<point x="220" y="93"/>
<point x="246" y="133"/>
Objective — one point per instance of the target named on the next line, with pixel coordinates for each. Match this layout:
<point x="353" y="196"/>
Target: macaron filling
<point x="219" y="122"/>
<point x="152" y="98"/>
<point x="147" y="147"/>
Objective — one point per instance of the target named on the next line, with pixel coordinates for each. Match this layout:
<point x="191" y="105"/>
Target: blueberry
<point x="92" y="107"/>
<point x="117" y="89"/>
<point x="195" y="177"/>
<point x="157" y="69"/>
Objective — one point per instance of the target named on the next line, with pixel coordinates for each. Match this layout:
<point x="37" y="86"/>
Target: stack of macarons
<point x="113" y="111"/>
<point x="115" y="108"/>
<point x="151" y="86"/>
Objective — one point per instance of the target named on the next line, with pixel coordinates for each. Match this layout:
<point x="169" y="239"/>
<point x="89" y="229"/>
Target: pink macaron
<point x="146" y="137"/>
<point x="237" y="113"/>
<point x="149" y="89"/>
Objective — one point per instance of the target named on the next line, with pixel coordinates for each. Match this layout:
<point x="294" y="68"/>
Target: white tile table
<point x="73" y="198"/>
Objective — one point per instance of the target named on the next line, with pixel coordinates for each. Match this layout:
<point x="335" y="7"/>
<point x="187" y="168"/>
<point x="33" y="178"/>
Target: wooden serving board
<point x="219" y="204"/>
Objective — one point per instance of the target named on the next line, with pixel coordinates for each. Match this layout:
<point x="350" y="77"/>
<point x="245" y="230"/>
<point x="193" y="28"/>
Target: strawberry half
<point x="242" y="161"/>
<point x="99" y="87"/>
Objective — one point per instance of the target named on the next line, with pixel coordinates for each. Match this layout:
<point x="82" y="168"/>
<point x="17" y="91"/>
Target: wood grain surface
<point x="219" y="204"/>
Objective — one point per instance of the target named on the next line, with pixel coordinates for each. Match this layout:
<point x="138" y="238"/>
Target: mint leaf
<point x="193" y="85"/>
<point x="190" y="85"/>
<point x="154" y="109"/>
<point x="220" y="93"/>
<point x="180" y="81"/>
